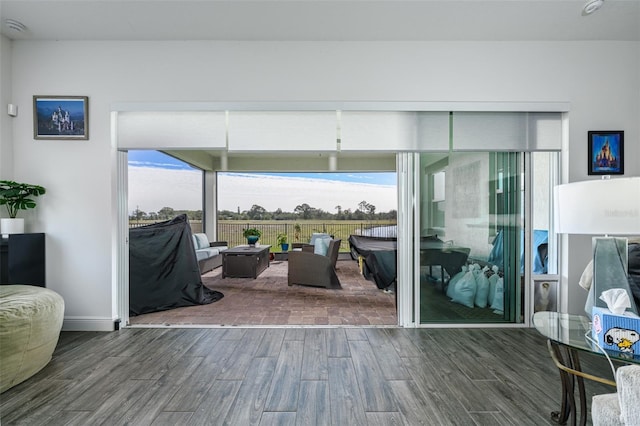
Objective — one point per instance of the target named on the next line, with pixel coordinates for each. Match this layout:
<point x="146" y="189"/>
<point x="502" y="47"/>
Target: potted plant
<point x="16" y="196"/>
<point x="282" y="241"/>
<point x="252" y="235"/>
<point x="297" y="229"/>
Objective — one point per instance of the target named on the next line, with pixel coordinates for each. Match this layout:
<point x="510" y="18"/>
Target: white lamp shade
<point x="598" y="207"/>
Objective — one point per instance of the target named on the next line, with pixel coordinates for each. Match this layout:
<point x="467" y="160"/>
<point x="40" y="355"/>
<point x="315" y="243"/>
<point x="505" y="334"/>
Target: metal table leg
<point x="567" y="406"/>
<point x="568" y="364"/>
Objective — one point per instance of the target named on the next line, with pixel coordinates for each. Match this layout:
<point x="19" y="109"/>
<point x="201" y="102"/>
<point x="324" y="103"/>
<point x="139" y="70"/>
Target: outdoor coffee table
<point x="245" y="261"/>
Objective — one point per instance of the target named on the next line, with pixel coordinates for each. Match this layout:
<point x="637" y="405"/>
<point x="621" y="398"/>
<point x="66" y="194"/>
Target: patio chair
<point x="315" y="269"/>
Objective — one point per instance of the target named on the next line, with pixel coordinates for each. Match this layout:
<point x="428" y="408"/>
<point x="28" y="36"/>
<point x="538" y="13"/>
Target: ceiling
<point x="320" y="20"/>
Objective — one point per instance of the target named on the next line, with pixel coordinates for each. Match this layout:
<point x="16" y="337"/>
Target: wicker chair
<point x="315" y="269"/>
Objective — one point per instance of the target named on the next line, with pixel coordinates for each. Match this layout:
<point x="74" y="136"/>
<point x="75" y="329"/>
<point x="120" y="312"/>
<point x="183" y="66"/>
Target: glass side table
<point x="566" y="338"/>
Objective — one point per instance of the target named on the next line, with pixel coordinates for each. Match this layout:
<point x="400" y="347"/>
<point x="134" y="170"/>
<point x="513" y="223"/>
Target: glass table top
<point x="572" y="331"/>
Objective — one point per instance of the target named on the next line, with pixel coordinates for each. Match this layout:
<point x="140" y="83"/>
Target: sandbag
<point x="498" y="298"/>
<point x="453" y="281"/>
<point x="482" y="287"/>
<point x="493" y="279"/>
<point x="464" y="291"/>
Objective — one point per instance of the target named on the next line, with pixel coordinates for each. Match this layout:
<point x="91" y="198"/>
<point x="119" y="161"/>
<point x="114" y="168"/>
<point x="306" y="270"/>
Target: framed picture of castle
<point x="606" y="152"/>
<point x="61" y="117"/>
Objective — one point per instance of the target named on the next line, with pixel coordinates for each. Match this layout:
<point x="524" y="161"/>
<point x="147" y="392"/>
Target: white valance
<point x="507" y="131"/>
<point x="394" y="131"/>
<point x="283" y="131"/>
<point x="171" y="129"/>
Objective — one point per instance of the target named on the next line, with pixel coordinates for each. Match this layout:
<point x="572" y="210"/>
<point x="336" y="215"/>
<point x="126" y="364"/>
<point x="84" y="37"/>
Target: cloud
<point x="273" y="192"/>
<point x="151" y="189"/>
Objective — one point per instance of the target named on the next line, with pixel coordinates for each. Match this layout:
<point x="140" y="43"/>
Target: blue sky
<point x="159" y="160"/>
<point x="156" y="159"/>
<point x="157" y="180"/>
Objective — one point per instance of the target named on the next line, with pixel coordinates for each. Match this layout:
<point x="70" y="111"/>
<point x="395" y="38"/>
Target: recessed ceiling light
<point x="14" y="25"/>
<point x="591" y="6"/>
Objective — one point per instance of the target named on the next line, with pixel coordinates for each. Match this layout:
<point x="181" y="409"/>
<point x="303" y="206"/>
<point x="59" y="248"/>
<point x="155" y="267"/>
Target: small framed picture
<point x="61" y="117"/>
<point x="545" y="293"/>
<point x="606" y="152"/>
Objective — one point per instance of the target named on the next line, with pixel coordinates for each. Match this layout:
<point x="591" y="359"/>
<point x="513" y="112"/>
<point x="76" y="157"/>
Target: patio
<point x="268" y="300"/>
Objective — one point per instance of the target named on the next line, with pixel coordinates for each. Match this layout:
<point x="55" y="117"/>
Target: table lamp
<point x="602" y="207"/>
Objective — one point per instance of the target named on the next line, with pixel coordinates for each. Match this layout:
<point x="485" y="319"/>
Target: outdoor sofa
<point x="209" y="254"/>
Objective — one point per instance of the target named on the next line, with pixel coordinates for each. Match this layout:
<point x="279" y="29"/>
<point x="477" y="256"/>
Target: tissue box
<point x="616" y="332"/>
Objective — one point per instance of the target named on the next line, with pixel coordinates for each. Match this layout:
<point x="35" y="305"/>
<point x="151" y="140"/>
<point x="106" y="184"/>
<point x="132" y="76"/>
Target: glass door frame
<point x="408" y="305"/>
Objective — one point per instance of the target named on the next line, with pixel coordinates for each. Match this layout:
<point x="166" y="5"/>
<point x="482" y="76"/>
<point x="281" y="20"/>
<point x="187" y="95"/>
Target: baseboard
<point x="90" y="324"/>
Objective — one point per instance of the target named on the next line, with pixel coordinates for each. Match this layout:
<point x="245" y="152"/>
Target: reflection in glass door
<point x="471" y="237"/>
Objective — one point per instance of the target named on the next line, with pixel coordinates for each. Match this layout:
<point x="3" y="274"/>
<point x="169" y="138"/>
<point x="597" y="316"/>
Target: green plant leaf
<point x="15" y="196"/>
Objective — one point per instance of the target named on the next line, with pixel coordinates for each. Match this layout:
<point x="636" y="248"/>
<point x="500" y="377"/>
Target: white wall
<point x="6" y="127"/>
<point x="469" y="173"/>
<point x="599" y="79"/>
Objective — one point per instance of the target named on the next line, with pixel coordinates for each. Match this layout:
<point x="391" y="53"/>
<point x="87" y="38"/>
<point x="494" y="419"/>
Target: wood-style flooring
<point x="294" y="376"/>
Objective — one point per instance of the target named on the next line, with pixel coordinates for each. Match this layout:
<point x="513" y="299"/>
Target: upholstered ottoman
<point x="30" y="323"/>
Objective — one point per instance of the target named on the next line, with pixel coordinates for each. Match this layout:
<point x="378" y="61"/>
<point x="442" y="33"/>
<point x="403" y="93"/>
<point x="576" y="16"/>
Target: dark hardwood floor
<point x="294" y="376"/>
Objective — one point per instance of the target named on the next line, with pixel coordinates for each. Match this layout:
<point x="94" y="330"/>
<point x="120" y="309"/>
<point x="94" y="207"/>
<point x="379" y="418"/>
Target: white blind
<point x="394" y="131"/>
<point x="545" y="131"/>
<point x="433" y="131"/>
<point x="507" y="131"/>
<point x="283" y="131"/>
<point x="171" y="129"/>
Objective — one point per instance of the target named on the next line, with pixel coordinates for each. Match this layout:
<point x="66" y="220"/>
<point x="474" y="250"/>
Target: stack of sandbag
<point x="479" y="287"/>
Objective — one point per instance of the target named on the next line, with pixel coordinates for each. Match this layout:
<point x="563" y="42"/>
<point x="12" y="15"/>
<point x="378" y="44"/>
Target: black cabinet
<point x="22" y="259"/>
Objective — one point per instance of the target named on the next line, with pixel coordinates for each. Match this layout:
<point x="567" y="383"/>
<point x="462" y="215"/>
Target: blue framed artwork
<point x="61" y="117"/>
<point x="606" y="152"/>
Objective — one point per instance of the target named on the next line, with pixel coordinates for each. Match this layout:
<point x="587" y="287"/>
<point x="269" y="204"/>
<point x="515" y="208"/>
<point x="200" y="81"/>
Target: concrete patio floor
<point x="268" y="300"/>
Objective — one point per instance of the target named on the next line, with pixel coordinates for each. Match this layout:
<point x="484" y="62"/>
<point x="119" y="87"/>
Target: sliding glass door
<point x="470" y="237"/>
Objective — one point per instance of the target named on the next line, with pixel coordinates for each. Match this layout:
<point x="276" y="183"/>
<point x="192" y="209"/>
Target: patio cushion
<point x="200" y="241"/>
<point x="321" y="245"/>
<point x="205" y="253"/>
<point x="317" y="235"/>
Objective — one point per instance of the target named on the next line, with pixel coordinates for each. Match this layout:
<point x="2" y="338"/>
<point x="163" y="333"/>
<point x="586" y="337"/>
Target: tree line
<point x="364" y="211"/>
<point x="164" y="213"/>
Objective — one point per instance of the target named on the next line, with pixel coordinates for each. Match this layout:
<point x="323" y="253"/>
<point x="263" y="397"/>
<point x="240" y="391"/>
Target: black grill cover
<point x="163" y="268"/>
<point x="379" y="254"/>
<point x="380" y="261"/>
